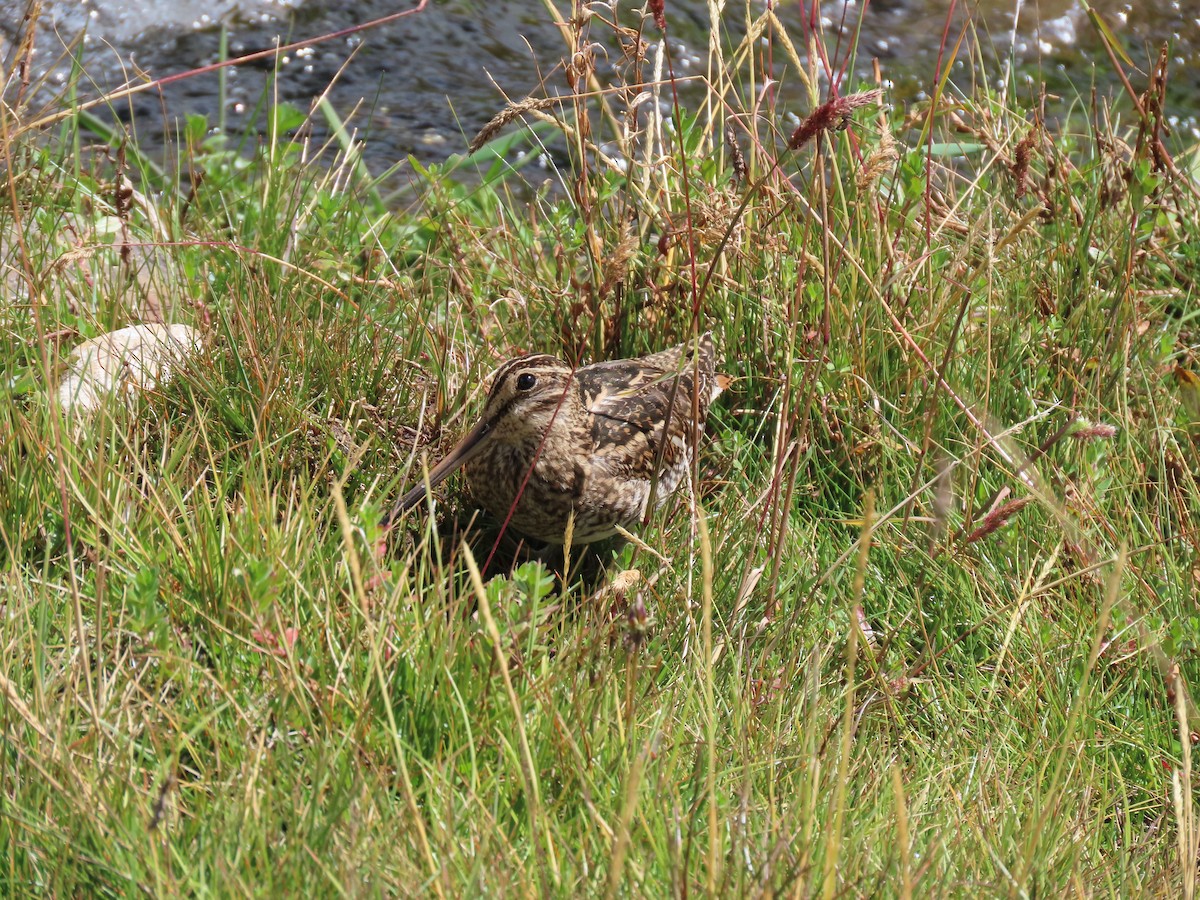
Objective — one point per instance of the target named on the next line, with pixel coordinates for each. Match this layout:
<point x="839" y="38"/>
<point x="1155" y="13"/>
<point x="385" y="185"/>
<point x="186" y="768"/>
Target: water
<point x="425" y="84"/>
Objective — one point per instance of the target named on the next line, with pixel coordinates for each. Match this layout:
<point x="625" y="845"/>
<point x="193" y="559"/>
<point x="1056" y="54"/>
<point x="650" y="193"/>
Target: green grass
<point x="847" y="669"/>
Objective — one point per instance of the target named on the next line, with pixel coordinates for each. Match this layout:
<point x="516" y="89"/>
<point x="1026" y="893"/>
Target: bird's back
<point x="645" y="414"/>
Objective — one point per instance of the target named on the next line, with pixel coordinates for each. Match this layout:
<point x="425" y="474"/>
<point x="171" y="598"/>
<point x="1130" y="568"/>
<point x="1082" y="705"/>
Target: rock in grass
<point x="137" y="357"/>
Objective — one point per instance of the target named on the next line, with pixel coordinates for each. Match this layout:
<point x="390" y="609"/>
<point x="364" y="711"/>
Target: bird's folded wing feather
<point x="629" y="402"/>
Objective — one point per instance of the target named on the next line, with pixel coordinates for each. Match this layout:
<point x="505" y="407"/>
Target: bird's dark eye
<point x="525" y="382"/>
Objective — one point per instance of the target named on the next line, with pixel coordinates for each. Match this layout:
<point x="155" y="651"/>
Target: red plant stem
<point x="933" y="99"/>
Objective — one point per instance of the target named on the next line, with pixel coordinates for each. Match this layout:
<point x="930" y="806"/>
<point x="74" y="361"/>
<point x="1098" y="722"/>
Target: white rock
<point x="136" y="357"/>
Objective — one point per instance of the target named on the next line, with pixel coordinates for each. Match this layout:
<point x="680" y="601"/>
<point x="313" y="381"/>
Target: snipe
<point x="594" y="442"/>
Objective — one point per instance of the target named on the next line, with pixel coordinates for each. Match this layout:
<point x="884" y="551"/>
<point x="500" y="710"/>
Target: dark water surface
<point x="424" y="85"/>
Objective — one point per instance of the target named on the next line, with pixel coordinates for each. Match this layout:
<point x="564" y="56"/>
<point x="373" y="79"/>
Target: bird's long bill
<point x="464" y="450"/>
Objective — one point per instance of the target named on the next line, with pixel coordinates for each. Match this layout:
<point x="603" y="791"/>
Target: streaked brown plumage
<point x="555" y="441"/>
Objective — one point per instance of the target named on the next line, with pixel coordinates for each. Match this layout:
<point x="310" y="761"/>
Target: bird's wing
<point x="629" y="400"/>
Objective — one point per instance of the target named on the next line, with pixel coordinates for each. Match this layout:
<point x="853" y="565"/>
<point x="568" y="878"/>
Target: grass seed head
<point x="832" y="115"/>
<point x="997" y="519"/>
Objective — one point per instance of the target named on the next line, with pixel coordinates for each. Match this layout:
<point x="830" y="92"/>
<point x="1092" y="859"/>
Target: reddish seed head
<point x="1099" y="432"/>
<point x="832" y="115"/>
<point x="659" y="11"/>
<point x="997" y="519"/>
<point x="1020" y="167"/>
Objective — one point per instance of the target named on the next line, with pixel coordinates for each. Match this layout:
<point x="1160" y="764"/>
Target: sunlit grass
<point x="218" y="676"/>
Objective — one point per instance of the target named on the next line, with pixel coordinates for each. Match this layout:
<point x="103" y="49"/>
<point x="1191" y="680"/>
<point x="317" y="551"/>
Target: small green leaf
<point x="195" y="129"/>
<point x="954" y="148"/>
<point x="285" y="117"/>
<point x="533" y="581"/>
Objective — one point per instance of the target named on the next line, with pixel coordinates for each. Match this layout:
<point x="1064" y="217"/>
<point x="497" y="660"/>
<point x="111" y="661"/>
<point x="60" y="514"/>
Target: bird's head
<point x="527" y="396"/>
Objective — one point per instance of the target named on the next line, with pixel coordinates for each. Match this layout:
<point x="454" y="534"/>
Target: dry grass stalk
<point x="943" y="503"/>
<point x="616" y="265"/>
<point x="881" y="160"/>
<point x="506" y="115"/>
<point x="712" y="214"/>
<point x="736" y="159"/>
